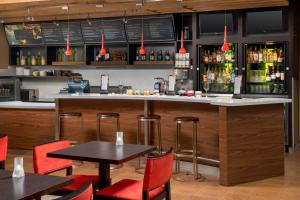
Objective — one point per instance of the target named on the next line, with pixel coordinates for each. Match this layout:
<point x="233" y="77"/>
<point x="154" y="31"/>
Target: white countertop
<point x="26" y="105"/>
<point x="218" y="101"/>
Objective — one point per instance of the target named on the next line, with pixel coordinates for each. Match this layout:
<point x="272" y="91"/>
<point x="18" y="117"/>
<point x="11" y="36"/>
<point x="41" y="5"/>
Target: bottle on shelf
<point x="152" y="56"/>
<point x="38" y="58"/>
<point x="33" y="60"/>
<point x="144" y="56"/>
<point x="107" y="55"/>
<point x="277" y="74"/>
<point x="265" y="54"/>
<point x="137" y="55"/>
<point x="268" y="76"/>
<point x="167" y="56"/>
<point x="260" y="55"/>
<point x="255" y="55"/>
<point x="250" y="55"/>
<point x="275" y="55"/>
<point x="282" y="73"/>
<point x="205" y="57"/>
<point x="270" y="56"/>
<point x="23" y="60"/>
<point x="219" y="56"/>
<point x="273" y="74"/>
<point x="209" y="56"/>
<point x="43" y="60"/>
<point x="28" y="58"/>
<point x="214" y="56"/>
<point x="280" y="56"/>
<point x="18" y="58"/>
<point x="160" y="55"/>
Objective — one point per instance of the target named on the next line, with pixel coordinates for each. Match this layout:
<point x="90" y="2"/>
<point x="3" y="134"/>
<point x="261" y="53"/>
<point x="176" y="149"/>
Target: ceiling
<point x="43" y="10"/>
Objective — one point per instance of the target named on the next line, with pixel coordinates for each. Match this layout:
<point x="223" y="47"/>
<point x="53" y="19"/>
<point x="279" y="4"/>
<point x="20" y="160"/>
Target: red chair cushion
<point x="158" y="171"/>
<point x="127" y="189"/>
<point x="43" y="164"/>
<point x="85" y="195"/>
<point x="3" y="148"/>
<point x="80" y="180"/>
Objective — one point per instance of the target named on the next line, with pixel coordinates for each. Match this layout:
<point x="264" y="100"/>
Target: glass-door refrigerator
<point x="265" y="69"/>
<point x="217" y="67"/>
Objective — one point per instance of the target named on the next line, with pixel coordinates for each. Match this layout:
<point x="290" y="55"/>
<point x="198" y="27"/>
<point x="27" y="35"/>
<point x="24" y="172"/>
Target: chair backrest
<point x="158" y="171"/>
<point x="43" y="164"/>
<point x="3" y="147"/>
<point x="84" y="193"/>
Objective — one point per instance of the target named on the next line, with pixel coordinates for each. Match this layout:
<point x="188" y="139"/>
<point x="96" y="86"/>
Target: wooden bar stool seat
<point x="187" y="153"/>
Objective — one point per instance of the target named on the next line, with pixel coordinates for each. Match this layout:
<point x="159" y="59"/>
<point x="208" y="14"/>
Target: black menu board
<point x="156" y="28"/>
<point x="56" y="33"/>
<point x="24" y="34"/>
<point x="113" y="30"/>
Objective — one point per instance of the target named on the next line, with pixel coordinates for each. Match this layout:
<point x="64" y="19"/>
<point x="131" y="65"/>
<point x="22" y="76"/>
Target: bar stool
<point x="69" y="115"/>
<point x="180" y="153"/>
<point x="148" y="119"/>
<point x="103" y="116"/>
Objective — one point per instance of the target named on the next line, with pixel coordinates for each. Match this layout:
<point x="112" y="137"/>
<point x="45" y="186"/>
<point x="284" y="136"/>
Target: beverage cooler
<point x="265" y="69"/>
<point x="217" y="67"/>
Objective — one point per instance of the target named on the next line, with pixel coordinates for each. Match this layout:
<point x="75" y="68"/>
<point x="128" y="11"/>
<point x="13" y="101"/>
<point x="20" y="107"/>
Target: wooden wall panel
<point x="4" y="55"/>
<point x="26" y="128"/>
<point x="251" y="143"/>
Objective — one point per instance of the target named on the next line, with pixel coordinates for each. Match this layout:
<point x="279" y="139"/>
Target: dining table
<point x="30" y="186"/>
<point x="103" y="153"/>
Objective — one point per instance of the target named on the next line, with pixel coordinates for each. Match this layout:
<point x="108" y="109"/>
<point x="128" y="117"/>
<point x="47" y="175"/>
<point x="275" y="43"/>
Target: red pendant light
<point x="225" y="46"/>
<point x="68" y="51"/>
<point x="182" y="50"/>
<point x="142" y="49"/>
<point x="102" y="51"/>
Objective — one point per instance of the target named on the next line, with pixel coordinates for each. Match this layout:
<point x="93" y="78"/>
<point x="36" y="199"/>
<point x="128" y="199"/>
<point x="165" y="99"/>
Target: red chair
<point x="84" y="193"/>
<point x="45" y="165"/>
<point x="156" y="183"/>
<point x="3" y="150"/>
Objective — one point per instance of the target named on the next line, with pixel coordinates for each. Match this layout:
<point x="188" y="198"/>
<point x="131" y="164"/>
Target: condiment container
<point x="35" y="73"/>
<point x="198" y="94"/>
<point x="27" y="72"/>
<point x="20" y="71"/>
<point x="191" y="93"/>
<point x="129" y="92"/>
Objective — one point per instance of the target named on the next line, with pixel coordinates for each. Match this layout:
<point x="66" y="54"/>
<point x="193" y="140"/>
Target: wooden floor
<point x="281" y="188"/>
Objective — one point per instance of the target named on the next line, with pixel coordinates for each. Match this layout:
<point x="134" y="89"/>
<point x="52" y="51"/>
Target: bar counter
<point x="243" y="137"/>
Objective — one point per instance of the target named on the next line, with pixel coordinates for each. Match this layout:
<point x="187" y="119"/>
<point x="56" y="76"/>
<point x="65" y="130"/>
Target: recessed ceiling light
<point x="65" y="7"/>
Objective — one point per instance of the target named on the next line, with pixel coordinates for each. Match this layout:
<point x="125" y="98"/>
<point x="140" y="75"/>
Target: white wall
<point x="137" y="78"/>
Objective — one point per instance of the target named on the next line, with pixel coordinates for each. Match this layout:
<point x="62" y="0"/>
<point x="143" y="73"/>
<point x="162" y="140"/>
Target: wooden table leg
<point x="104" y="175"/>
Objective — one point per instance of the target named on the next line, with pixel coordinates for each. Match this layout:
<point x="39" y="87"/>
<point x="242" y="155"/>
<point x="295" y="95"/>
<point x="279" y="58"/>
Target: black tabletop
<point x="29" y="186"/>
<point x="102" y="152"/>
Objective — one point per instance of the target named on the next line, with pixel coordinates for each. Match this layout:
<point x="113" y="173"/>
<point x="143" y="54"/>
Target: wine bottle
<point x="159" y="55"/>
<point x="255" y="55"/>
<point x="28" y="58"/>
<point x="275" y="55"/>
<point x="137" y="55"/>
<point x="268" y="77"/>
<point x="280" y="56"/>
<point x="167" y="56"/>
<point x="282" y="74"/>
<point x="260" y="55"/>
<point x="18" y="59"/>
<point x="152" y="56"/>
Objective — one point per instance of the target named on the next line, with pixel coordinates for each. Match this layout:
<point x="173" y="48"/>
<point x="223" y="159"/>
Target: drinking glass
<point x="119" y="139"/>
<point x="18" y="168"/>
<point x="206" y="87"/>
<point x="121" y="86"/>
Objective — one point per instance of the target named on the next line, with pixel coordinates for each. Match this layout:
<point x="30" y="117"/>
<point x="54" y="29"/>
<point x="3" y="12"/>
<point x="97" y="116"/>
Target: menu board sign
<point x="24" y="34"/>
<point x="56" y="33"/>
<point x="113" y="31"/>
<point x="156" y="28"/>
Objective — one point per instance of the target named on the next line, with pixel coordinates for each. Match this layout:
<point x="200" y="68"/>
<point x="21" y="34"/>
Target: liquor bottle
<point x="282" y="73"/>
<point x="23" y="60"/>
<point x="33" y="60"/>
<point x="205" y="57"/>
<point x="260" y="55"/>
<point x="209" y="56"/>
<point x="219" y="56"/>
<point x="143" y="57"/>
<point x="107" y="55"/>
<point x="275" y="55"/>
<point x="268" y="76"/>
<point x="277" y="74"/>
<point x="265" y="54"/>
<point x="38" y="58"/>
<point x="250" y="55"/>
<point x="160" y="55"/>
<point x="28" y="58"/>
<point x="214" y="56"/>
<point x="152" y="56"/>
<point x="270" y="56"/>
<point x="137" y="55"/>
<point x="273" y="75"/>
<point x="255" y="55"/>
<point x="280" y="56"/>
<point x="167" y="55"/>
<point x="43" y="60"/>
<point x="18" y="58"/>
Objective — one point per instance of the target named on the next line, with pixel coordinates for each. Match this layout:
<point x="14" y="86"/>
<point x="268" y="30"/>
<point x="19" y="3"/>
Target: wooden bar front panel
<point x="251" y="143"/>
<point x="27" y="127"/>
